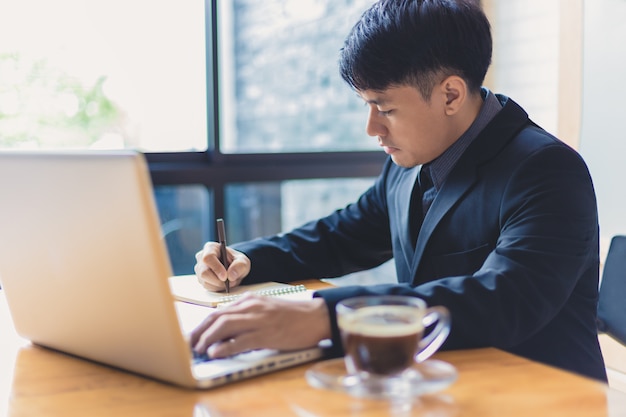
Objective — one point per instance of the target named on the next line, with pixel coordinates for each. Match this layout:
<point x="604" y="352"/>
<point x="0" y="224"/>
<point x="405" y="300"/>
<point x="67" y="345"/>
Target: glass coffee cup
<point x="383" y="336"/>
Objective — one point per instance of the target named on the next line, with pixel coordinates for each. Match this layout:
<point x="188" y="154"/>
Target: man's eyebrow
<point x="378" y="101"/>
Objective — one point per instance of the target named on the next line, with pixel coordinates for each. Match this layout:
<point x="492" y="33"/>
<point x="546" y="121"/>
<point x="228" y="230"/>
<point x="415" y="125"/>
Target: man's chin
<point x="402" y="163"/>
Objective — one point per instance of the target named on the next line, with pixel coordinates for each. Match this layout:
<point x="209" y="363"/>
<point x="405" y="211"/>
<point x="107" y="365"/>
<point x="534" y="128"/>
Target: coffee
<point x="381" y="339"/>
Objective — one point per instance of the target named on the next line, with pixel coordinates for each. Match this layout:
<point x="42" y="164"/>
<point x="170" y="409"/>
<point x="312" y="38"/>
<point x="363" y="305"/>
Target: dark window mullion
<point x="175" y="169"/>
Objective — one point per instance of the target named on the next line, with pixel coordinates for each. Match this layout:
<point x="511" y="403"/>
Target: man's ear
<point x="454" y="90"/>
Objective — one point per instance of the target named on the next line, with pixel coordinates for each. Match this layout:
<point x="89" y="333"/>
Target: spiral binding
<point x="272" y="292"/>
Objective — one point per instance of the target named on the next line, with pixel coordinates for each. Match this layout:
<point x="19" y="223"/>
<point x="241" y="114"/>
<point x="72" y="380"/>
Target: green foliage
<point x="42" y="106"/>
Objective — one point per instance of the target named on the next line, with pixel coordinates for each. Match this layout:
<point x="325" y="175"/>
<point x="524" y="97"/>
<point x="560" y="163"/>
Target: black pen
<point x="221" y="237"/>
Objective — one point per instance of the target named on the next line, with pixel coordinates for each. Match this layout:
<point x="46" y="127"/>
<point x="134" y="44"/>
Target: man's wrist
<point x="322" y="318"/>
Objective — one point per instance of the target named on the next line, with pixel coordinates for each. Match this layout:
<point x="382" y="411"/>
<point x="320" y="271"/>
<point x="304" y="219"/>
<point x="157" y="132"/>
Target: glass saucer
<point x="423" y="378"/>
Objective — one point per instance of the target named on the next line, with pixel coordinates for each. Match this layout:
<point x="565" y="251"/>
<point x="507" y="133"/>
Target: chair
<point x="612" y="303"/>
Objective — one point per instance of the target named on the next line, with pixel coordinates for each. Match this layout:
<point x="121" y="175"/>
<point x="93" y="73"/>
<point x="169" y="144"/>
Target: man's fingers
<point x="211" y="272"/>
<point x="232" y="346"/>
<point x="223" y="324"/>
<point x="223" y="327"/>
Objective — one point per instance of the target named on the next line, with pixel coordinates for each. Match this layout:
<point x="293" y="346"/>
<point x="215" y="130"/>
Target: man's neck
<point x="469" y="113"/>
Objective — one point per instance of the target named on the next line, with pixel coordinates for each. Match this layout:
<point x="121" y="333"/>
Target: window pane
<point x="280" y="89"/>
<point x="103" y="74"/>
<point x="261" y="209"/>
<point x="186" y="215"/>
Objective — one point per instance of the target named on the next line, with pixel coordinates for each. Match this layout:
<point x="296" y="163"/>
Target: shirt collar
<point x="443" y="164"/>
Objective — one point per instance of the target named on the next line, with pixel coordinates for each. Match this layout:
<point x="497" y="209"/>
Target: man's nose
<point x="373" y="126"/>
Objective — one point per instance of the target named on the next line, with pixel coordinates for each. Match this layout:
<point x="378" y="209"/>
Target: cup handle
<point x="429" y="344"/>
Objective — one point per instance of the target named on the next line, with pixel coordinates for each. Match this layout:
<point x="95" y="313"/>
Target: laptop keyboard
<point x="200" y="357"/>
<point x="250" y="356"/>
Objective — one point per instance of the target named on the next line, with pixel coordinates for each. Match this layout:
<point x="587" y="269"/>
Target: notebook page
<point x="187" y="288"/>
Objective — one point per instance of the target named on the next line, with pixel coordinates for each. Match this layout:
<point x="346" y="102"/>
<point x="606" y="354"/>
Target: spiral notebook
<point x="186" y="288"/>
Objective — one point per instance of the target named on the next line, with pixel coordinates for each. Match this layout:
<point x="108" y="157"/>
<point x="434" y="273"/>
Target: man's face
<point x="411" y="130"/>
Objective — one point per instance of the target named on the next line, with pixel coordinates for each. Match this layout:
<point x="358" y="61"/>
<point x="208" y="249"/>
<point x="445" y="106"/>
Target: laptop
<point x="85" y="269"/>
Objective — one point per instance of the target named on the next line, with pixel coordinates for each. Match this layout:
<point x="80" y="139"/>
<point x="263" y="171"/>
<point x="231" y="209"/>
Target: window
<point x="237" y="104"/>
<point x="279" y="82"/>
<point x="103" y="74"/>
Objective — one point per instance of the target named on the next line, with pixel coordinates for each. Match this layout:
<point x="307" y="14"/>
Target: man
<point x="503" y="226"/>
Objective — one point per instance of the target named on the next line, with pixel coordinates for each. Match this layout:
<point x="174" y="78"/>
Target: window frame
<point x="216" y="170"/>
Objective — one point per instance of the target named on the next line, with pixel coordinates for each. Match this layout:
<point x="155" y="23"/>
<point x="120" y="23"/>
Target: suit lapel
<point x="450" y="193"/>
<point x="503" y="128"/>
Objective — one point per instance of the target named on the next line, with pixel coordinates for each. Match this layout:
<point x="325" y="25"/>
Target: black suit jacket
<point x="509" y="246"/>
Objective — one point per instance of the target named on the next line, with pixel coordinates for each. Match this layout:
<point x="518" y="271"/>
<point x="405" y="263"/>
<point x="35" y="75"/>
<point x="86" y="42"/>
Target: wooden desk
<point x="38" y="382"/>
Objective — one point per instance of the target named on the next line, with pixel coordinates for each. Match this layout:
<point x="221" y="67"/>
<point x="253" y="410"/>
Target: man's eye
<point x="384" y="112"/>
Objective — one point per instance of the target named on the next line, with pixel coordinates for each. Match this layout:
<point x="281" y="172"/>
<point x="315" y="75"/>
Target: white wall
<point x="526" y="56"/>
<point x="603" y="132"/>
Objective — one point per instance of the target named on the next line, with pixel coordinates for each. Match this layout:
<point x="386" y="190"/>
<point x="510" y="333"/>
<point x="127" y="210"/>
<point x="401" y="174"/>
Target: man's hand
<point x="212" y="274"/>
<point x="255" y="322"/>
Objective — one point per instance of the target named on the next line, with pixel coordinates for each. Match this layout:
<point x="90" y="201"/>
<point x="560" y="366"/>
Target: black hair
<point x="417" y="42"/>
